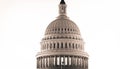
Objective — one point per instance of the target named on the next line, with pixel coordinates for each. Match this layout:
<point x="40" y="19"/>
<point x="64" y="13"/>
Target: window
<point x="76" y="46"/>
<point x="73" y="45"/>
<point x="55" y="29"/>
<point x="50" y="37"/>
<point x="65" y="29"/>
<point x="54" y="45"/>
<point x="68" y="29"/>
<point x="69" y="45"/>
<point x="62" y="29"/>
<point x="57" y="45"/>
<point x="50" y="45"/>
<point x="65" y="45"/>
<point x="61" y="45"/>
<point x="58" y="29"/>
<point x="54" y="60"/>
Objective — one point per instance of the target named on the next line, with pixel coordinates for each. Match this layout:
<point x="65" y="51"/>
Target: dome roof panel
<point x="62" y="25"/>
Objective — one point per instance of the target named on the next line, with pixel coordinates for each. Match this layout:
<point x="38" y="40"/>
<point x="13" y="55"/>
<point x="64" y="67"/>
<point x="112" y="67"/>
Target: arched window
<point x="69" y="45"/>
<point x="62" y="29"/>
<point x="79" y="46"/>
<point x="54" y="46"/>
<point x="57" y="45"/>
<point x="57" y="37"/>
<point x="76" y="46"/>
<point x="68" y="29"/>
<point x="65" y="29"/>
<point x="58" y="29"/>
<point x="52" y="29"/>
<point x="50" y="46"/>
<point x="55" y="29"/>
<point x="61" y="45"/>
<point x="73" y="45"/>
<point x="65" y="45"/>
<point x="50" y="37"/>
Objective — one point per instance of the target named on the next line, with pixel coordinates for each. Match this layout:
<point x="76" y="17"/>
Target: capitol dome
<point x="62" y="25"/>
<point x="62" y="47"/>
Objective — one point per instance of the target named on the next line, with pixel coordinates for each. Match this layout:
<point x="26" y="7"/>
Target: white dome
<point x="62" y="45"/>
<point x="62" y="25"/>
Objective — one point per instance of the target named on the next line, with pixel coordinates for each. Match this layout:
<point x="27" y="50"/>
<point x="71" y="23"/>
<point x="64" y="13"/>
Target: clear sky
<point x="23" y="23"/>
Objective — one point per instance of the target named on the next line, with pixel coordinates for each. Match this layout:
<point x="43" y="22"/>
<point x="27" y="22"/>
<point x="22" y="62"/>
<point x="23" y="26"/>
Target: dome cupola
<point x="62" y="25"/>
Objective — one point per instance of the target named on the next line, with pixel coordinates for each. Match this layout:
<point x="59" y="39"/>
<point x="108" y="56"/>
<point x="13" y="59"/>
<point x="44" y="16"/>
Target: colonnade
<point x="65" y="61"/>
<point x="63" y="45"/>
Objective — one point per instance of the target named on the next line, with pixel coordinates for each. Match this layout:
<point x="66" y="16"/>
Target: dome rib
<point x="62" y="25"/>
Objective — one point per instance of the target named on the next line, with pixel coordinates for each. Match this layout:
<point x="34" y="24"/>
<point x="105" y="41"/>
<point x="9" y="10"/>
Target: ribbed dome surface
<point x="62" y="26"/>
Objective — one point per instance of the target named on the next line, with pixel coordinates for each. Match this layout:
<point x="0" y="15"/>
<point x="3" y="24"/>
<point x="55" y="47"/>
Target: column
<point x="45" y="61"/>
<point x="77" y="61"/>
<point x="52" y="61"/>
<point x="86" y="63"/>
<point x="38" y="63"/>
<point x="63" y="63"/>
<point x="66" y="61"/>
<point x="48" y="61"/>
<point x="81" y="63"/>
<point x="72" y="61"/>
<point x="41" y="62"/>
